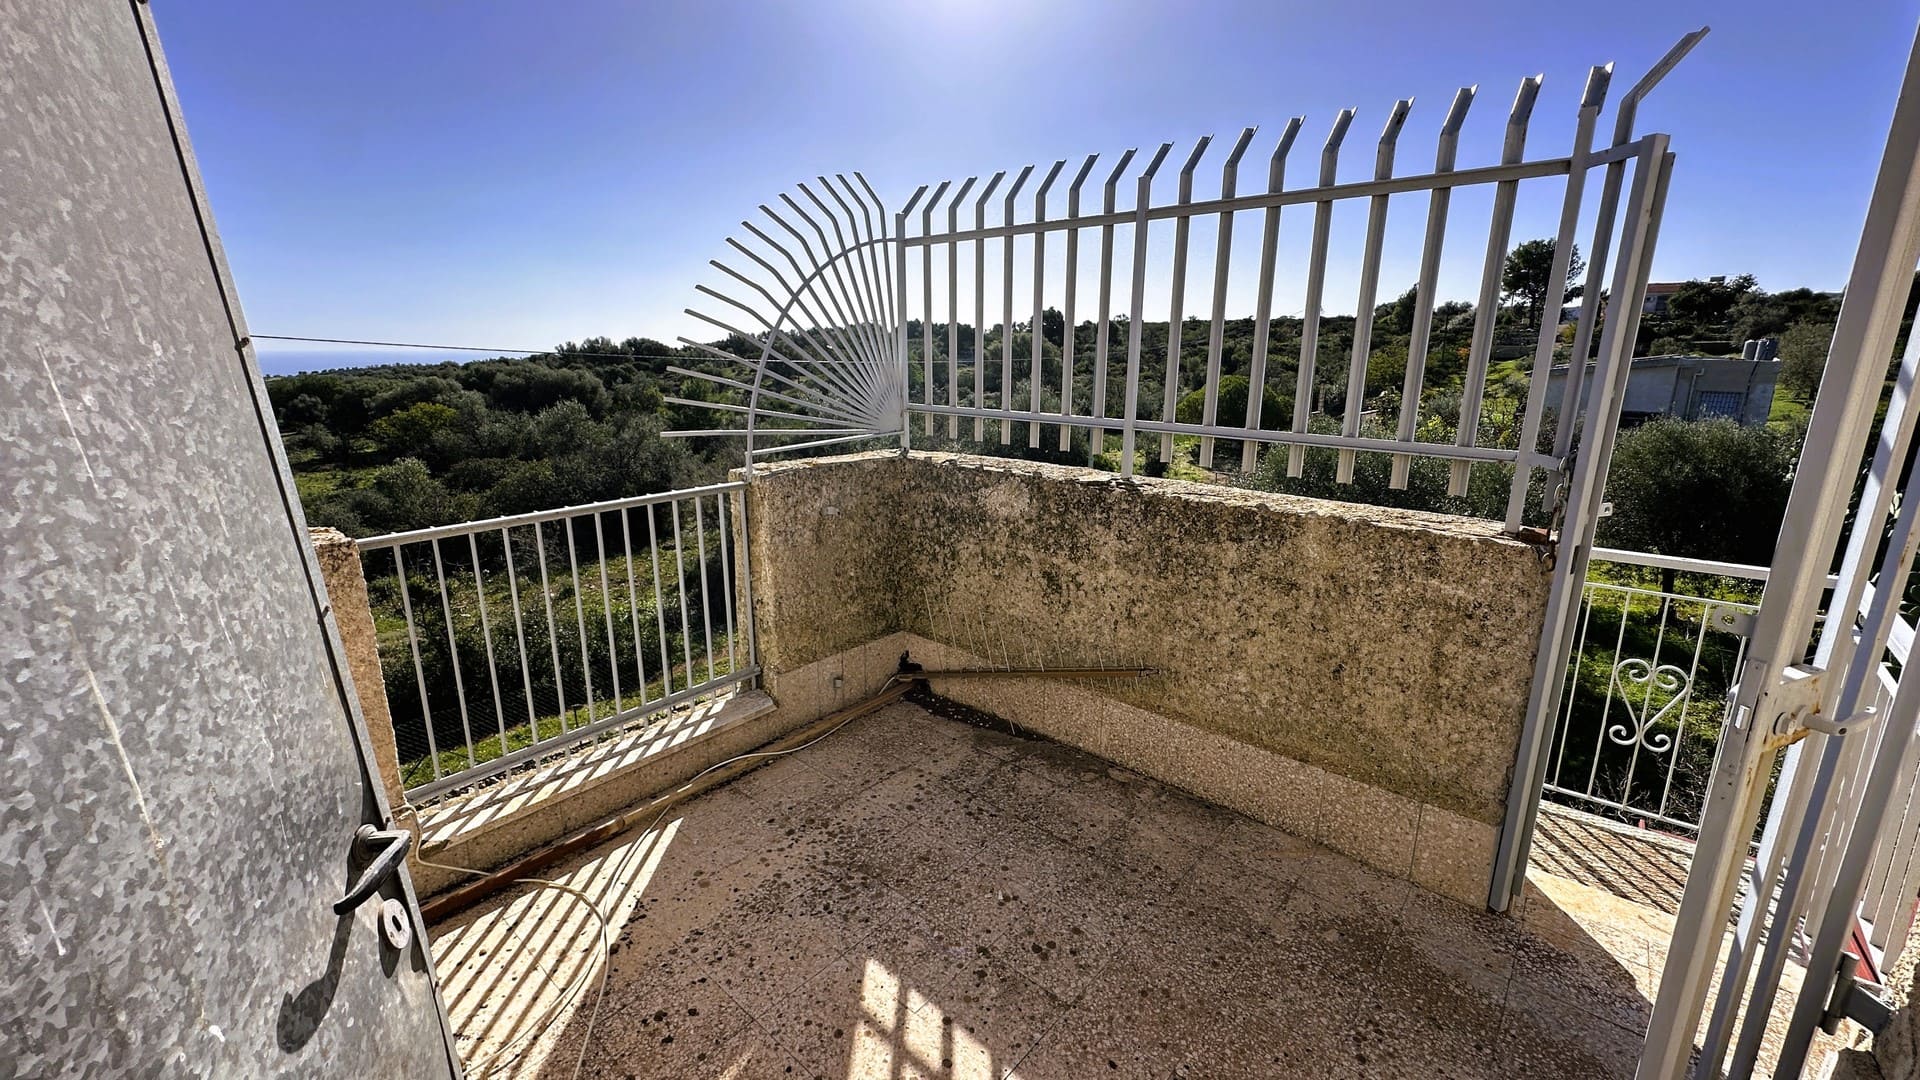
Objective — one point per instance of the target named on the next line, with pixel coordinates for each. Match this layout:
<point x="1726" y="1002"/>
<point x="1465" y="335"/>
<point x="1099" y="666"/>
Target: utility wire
<point x="475" y="348"/>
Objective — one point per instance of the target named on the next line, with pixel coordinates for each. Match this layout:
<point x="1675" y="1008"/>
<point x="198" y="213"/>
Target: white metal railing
<point x="1646" y="691"/>
<point x="505" y="640"/>
<point x="1645" y="709"/>
<point x="862" y="336"/>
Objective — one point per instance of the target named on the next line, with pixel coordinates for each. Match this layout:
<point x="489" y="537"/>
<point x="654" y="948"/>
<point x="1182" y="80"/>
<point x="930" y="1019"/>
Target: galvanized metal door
<point x="184" y="761"/>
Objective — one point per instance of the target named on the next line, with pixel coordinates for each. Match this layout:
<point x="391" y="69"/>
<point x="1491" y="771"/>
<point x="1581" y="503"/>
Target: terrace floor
<point x="919" y="897"/>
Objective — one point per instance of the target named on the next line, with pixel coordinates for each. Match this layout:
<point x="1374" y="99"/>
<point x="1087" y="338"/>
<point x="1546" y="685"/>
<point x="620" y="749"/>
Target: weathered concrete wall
<point x="828" y="576"/>
<point x="346" y="584"/>
<point x="1380" y="658"/>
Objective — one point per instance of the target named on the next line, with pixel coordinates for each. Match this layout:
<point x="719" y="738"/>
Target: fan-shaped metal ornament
<point x="822" y="306"/>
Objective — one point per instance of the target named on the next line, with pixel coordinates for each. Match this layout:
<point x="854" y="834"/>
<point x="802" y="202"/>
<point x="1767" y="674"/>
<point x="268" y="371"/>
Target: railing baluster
<point x="1177" y="302"/>
<point x="1316" y="288"/>
<point x="1006" y="325"/>
<point x="1143" y="198"/>
<point x="980" y="307"/>
<point x="1573" y="683"/>
<point x="680" y="587"/>
<point x="953" y="310"/>
<point x="419" y="672"/>
<point x="633" y="603"/>
<point x="606" y="608"/>
<point x="725" y="525"/>
<point x="706" y="602"/>
<point x="1369" y="289"/>
<point x="1263" y="300"/>
<point x="1549" y="333"/>
<point x="1068" y="337"/>
<point x="553" y="627"/>
<point x="453" y="651"/>
<point x="1613" y="682"/>
<point x="659" y="604"/>
<point x="1487" y="307"/>
<point x="1097" y="437"/>
<point x="580" y="618"/>
<point x="486" y="636"/>
<point x="1039" y="340"/>
<point x="1222" y="267"/>
<point x="1414" y="383"/>
<point x="520" y="635"/>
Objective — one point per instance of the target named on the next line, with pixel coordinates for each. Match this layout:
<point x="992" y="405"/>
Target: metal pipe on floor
<point x="459" y="899"/>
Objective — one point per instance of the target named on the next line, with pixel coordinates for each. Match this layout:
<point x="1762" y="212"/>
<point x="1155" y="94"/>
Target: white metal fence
<point x="508" y="639"/>
<point x="865" y="332"/>
<point x="1646" y="695"/>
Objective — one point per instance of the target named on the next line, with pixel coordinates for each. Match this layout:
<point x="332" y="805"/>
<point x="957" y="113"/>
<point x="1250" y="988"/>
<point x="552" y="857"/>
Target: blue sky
<point x="505" y="174"/>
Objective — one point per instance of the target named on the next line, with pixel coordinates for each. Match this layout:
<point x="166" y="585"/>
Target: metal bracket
<point x="1855" y="999"/>
<point x="1730" y="620"/>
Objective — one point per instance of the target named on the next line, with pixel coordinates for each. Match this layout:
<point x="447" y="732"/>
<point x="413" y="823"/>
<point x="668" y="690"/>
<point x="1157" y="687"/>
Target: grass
<point x="1599" y="704"/>
<point x="421" y="770"/>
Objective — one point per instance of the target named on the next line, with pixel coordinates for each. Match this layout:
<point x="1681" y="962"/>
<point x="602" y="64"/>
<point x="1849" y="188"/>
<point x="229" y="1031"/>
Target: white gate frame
<point x="1814" y="710"/>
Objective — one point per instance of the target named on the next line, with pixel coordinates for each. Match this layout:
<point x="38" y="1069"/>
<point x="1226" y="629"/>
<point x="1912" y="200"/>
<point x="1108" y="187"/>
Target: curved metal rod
<point x="841" y="374"/>
<point x="833" y="263"/>
<point x="875" y="355"/>
<point x="885" y="251"/>
<point x="826" y="325"/>
<point x="721" y="380"/>
<point x="860" y="297"/>
<point x="882" y="287"/>
<point x="761" y="368"/>
<point x="826" y="361"/>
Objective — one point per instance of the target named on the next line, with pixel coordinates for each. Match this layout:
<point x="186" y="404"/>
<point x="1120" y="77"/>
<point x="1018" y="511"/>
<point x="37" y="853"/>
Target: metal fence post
<point x="1576" y="534"/>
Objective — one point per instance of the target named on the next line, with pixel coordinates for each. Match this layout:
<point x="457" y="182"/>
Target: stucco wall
<point x="1388" y="652"/>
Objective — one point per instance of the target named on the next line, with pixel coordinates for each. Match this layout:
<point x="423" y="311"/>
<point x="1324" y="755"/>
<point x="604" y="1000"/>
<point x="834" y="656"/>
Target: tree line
<point x="390" y="448"/>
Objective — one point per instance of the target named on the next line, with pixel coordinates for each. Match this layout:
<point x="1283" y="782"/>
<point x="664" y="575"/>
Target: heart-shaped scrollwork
<point x="1667" y="679"/>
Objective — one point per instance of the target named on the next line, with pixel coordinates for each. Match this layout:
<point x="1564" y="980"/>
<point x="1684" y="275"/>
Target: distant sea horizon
<point x="275" y="361"/>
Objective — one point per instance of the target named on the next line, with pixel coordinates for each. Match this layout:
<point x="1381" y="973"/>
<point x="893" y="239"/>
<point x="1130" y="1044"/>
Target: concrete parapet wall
<point x="1356" y="674"/>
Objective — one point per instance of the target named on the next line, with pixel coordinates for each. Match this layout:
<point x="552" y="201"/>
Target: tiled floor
<point x="1639" y="865"/>
<point x="915" y="897"/>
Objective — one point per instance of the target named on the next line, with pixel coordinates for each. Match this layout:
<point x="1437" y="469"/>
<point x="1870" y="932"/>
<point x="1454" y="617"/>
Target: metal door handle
<point x="390" y="851"/>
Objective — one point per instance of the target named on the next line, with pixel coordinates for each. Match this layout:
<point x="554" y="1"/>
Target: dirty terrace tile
<point x="927" y="898"/>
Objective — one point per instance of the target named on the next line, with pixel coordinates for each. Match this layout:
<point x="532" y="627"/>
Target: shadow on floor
<point x="917" y="897"/>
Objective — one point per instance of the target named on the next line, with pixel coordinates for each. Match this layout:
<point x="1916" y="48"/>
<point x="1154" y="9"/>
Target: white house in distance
<point x="1691" y="387"/>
